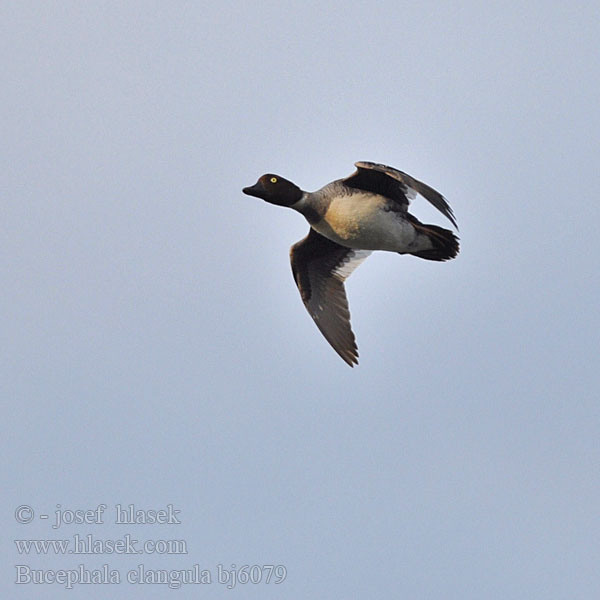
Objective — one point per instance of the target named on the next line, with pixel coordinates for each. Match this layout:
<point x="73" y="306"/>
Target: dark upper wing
<point x="378" y="181"/>
<point x="397" y="185"/>
<point x="320" y="268"/>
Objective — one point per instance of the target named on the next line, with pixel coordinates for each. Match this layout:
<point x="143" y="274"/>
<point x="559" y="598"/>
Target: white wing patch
<point x="353" y="260"/>
<point x="411" y="194"/>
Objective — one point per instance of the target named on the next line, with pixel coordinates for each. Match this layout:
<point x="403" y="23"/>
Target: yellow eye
<point x="273" y="179"/>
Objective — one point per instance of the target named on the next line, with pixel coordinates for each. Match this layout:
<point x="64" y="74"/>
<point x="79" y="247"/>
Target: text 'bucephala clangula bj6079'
<point x="349" y="218"/>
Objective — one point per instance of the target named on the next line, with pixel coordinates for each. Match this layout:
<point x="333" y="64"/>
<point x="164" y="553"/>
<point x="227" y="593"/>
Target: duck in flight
<point x="349" y="218"/>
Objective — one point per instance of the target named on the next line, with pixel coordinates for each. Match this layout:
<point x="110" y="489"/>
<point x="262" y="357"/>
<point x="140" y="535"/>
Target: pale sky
<point x="156" y="351"/>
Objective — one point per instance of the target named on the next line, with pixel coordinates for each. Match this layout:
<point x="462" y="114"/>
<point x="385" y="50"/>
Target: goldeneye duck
<point x="349" y="218"/>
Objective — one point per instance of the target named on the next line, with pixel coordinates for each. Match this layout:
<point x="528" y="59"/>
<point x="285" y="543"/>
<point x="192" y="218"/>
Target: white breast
<point x="360" y="221"/>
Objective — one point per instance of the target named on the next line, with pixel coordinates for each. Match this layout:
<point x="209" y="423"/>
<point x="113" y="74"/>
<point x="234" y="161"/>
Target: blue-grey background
<point x="154" y="346"/>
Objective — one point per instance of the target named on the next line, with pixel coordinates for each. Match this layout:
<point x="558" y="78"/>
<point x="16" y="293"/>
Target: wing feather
<point x="393" y="183"/>
<point x="320" y="268"/>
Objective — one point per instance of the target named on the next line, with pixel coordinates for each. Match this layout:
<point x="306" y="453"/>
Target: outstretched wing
<point x="396" y="185"/>
<point x="320" y="268"/>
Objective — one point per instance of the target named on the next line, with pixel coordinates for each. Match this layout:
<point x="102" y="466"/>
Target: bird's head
<point x="275" y="189"/>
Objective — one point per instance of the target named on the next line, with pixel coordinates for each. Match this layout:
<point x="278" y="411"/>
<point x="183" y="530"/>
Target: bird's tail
<point x="444" y="243"/>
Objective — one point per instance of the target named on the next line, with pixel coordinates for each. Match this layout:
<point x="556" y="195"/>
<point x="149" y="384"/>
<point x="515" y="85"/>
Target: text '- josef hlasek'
<point x="121" y="515"/>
